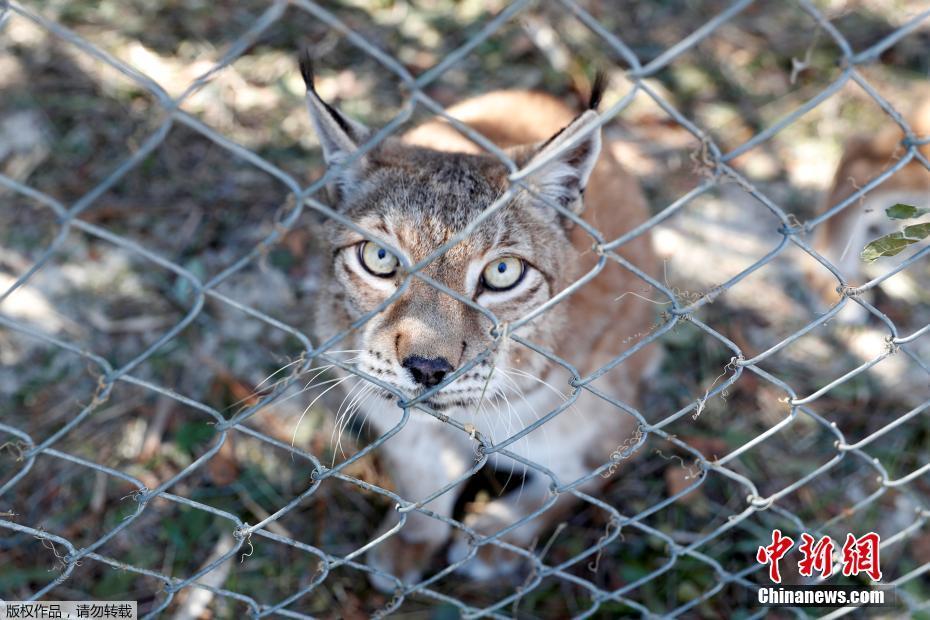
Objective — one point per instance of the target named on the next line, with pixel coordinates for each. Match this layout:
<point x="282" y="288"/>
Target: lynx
<point x="417" y="191"/>
<point x="842" y="237"/>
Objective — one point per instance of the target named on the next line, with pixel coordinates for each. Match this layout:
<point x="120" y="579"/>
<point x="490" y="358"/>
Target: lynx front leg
<point x="582" y="432"/>
<point x="492" y="561"/>
<point x="421" y="459"/>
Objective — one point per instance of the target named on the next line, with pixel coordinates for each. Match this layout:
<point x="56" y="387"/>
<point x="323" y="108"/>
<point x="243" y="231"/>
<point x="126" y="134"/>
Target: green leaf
<point x="192" y="434"/>
<point x="902" y="211"/>
<point x="895" y="243"/>
<point x="917" y="231"/>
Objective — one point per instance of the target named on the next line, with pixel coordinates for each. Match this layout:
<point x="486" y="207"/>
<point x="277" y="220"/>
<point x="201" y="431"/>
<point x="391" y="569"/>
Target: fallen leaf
<point x="710" y="447"/>
<point x="902" y="211"/>
<point x="678" y="479"/>
<point x="223" y="468"/>
<point x="894" y="243"/>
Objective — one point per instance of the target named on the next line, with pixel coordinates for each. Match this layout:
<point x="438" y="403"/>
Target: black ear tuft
<point x="306" y="68"/>
<point x="597" y="90"/>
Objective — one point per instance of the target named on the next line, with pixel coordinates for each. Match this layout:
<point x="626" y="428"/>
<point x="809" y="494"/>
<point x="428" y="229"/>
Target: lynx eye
<point x="377" y="260"/>
<point x="503" y="273"/>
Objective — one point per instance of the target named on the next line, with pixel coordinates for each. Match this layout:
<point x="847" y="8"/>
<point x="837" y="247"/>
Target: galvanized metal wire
<point x="790" y="234"/>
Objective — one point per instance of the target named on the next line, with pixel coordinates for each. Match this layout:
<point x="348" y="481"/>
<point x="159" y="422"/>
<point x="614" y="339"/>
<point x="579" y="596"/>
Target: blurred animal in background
<point x="411" y="195"/>
<point x="841" y="238"/>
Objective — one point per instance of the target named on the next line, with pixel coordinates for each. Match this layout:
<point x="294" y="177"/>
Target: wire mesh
<point x="32" y="451"/>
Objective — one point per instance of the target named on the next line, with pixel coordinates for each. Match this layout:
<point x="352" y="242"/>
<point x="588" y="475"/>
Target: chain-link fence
<point x="719" y="545"/>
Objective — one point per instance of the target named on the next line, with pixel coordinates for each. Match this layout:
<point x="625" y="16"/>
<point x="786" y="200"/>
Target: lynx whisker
<point x="286" y="366"/>
<point x="511" y="414"/>
<point x="375" y="393"/>
<point x="344" y="419"/>
<point x="309" y="385"/>
<point x="335" y="383"/>
<point x="354" y="407"/>
<point x="513" y="385"/>
<point x="256" y="392"/>
<point x="532" y="377"/>
<point x="342" y="406"/>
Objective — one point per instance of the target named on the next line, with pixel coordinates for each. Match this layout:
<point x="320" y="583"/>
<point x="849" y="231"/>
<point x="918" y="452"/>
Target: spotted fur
<point x="842" y="237"/>
<point x="413" y="194"/>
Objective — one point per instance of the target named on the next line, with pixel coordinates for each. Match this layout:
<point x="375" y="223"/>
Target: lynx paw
<point x="490" y="561"/>
<point x="402" y="558"/>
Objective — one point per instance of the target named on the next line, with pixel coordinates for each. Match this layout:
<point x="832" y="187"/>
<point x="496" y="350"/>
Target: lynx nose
<point x="425" y="371"/>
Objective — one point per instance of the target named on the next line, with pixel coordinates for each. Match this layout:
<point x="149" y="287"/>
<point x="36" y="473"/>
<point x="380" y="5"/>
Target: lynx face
<point x="513" y="262"/>
<point x="413" y="200"/>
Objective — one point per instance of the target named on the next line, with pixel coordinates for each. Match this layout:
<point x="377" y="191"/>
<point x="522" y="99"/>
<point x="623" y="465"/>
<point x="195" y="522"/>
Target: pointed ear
<point x="565" y="162"/>
<point x="339" y="135"/>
